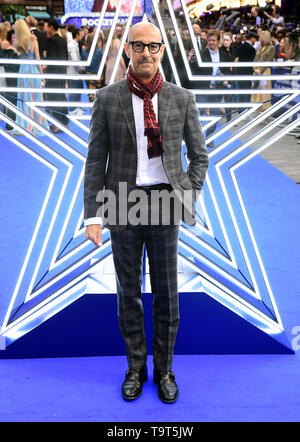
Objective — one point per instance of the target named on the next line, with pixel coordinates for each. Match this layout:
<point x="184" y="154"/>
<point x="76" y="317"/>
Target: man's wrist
<point x="94" y="220"/>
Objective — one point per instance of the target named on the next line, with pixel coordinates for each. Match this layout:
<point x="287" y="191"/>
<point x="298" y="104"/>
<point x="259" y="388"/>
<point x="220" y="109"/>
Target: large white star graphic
<point x="221" y="250"/>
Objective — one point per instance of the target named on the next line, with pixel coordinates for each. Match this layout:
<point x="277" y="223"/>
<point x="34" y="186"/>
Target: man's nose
<point x="146" y="50"/>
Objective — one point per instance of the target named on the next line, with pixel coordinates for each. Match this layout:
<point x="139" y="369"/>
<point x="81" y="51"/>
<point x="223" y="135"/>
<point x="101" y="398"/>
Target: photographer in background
<point x="273" y="18"/>
<point x="294" y="39"/>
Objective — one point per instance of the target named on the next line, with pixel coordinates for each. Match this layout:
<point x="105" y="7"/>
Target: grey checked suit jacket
<point x="112" y="151"/>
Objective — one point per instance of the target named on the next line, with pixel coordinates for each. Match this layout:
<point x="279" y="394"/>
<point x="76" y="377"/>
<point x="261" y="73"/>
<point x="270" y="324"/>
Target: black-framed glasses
<point x="139" y="46"/>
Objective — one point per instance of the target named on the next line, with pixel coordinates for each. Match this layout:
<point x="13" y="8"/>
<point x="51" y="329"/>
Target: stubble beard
<point x="148" y="74"/>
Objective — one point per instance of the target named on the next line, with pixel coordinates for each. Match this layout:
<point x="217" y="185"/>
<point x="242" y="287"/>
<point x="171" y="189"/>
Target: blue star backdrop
<point x="57" y="287"/>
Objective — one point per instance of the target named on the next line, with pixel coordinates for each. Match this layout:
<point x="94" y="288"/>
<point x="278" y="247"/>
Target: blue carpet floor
<point x="213" y="388"/>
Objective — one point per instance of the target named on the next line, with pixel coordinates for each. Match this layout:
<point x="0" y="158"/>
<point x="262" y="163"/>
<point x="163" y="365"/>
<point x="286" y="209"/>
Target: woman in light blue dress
<point x="27" y="46"/>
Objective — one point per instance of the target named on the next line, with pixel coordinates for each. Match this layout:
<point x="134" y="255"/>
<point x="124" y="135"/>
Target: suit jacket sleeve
<point x="200" y="70"/>
<point x="195" y="144"/>
<point x="95" y="166"/>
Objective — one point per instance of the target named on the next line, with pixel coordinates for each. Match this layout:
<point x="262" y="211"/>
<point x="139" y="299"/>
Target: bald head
<point x="144" y="28"/>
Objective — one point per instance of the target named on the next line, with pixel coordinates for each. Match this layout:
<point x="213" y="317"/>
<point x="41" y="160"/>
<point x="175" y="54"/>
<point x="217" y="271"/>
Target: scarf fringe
<point x="155" y="148"/>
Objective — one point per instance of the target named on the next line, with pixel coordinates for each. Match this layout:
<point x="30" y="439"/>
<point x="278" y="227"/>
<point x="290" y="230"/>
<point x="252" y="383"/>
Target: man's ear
<point x="127" y="49"/>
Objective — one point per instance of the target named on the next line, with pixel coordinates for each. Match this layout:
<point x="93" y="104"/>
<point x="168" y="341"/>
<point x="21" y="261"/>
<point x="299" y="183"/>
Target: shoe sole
<point x="166" y="401"/>
<point x="129" y="398"/>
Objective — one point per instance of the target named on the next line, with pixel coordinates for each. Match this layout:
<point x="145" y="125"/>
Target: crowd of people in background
<point x="266" y="33"/>
<point x="263" y="38"/>
<point x="259" y="36"/>
<point x="30" y="39"/>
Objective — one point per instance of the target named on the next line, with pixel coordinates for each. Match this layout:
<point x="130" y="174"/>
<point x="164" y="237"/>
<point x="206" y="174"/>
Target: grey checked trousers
<point x="161" y="243"/>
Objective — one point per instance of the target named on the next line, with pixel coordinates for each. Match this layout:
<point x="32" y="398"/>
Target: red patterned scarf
<point x="146" y="92"/>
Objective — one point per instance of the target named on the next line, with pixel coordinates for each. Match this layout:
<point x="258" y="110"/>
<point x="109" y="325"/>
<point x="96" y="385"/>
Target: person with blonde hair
<point x="28" y="49"/>
<point x="266" y="52"/>
<point x="3" y="46"/>
<point x="8" y="50"/>
<point x="4" y="28"/>
<point x="63" y="33"/>
<point x="40" y="34"/>
<point x="112" y="57"/>
<point x="93" y="68"/>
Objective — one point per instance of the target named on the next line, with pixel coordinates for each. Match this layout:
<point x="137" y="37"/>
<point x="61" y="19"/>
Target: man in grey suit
<point x="136" y="134"/>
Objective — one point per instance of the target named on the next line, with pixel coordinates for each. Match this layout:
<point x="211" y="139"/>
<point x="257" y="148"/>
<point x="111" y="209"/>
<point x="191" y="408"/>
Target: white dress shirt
<point x="215" y="58"/>
<point x="74" y="55"/>
<point x="199" y="43"/>
<point x="257" y="44"/>
<point x="149" y="171"/>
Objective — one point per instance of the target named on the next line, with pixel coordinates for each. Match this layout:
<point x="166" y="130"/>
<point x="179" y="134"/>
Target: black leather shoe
<point x="132" y="387"/>
<point x="167" y="387"/>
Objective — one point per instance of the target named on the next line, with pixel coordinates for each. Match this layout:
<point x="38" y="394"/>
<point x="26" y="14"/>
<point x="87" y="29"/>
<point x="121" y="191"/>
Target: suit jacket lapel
<point x="125" y="100"/>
